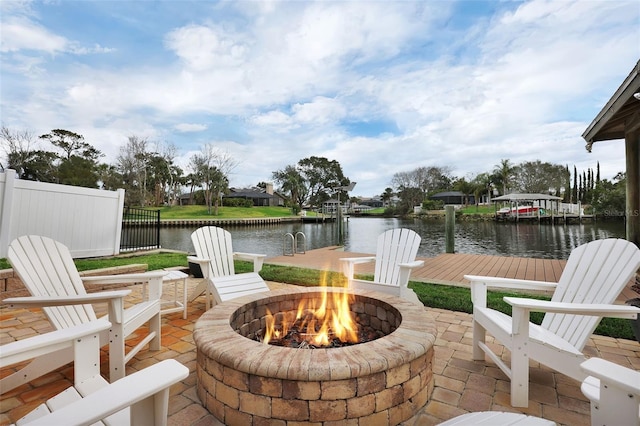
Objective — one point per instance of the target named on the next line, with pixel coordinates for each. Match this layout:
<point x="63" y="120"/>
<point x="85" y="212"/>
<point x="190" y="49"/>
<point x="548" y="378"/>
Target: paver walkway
<point x="461" y="384"/>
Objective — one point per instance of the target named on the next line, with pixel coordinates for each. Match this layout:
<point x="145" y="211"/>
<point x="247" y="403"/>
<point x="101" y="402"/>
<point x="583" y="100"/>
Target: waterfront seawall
<point x="222" y="222"/>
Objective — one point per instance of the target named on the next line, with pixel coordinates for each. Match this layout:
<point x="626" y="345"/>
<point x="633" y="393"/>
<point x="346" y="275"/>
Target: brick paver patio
<point x="461" y="384"/>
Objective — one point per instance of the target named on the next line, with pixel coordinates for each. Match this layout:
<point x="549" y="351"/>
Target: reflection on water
<point x="491" y="238"/>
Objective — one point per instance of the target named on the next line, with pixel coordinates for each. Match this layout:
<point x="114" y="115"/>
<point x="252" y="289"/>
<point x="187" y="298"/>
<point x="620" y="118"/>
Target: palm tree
<point x="386" y="196"/>
<point x="504" y="171"/>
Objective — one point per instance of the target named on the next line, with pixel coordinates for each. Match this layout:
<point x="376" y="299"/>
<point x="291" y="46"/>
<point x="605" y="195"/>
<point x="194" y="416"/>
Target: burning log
<point x="307" y="332"/>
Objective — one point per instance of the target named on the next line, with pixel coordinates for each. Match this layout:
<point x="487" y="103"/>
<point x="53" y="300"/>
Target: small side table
<point x="497" y="418"/>
<point x="175" y="305"/>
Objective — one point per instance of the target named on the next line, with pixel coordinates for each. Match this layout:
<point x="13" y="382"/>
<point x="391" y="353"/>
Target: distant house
<point x="259" y="196"/>
<point x="360" y="208"/>
<point x="372" y="202"/>
<point x="331" y="206"/>
<point x="453" y="197"/>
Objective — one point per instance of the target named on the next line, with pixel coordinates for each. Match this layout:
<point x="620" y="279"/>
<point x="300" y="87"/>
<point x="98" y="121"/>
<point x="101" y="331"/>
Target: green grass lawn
<point x="201" y="212"/>
<point x="154" y="261"/>
<point x="478" y="210"/>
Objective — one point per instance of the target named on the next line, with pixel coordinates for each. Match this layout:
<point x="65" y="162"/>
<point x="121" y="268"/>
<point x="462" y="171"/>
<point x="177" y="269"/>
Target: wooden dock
<point x="546" y="218"/>
<point x="447" y="269"/>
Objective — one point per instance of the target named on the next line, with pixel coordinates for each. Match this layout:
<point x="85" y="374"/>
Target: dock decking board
<point x="446" y="268"/>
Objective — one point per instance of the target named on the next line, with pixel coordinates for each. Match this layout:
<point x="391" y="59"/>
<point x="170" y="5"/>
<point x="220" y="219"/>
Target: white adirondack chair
<point x="215" y="255"/>
<point x="47" y="270"/>
<point x="394" y="260"/>
<point x="138" y="399"/>
<point x="594" y="276"/>
<point x="614" y="392"/>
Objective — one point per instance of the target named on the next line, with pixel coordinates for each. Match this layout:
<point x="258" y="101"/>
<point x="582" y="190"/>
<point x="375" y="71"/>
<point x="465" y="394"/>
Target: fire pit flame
<point x="318" y="321"/>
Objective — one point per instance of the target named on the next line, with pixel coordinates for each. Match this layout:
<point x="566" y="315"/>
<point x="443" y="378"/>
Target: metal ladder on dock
<point x="295" y="244"/>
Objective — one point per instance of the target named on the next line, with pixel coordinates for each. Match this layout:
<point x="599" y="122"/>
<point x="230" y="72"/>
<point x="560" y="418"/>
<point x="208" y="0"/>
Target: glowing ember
<point x="317" y="321"/>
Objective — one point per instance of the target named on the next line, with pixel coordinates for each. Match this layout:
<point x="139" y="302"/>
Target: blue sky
<point x="380" y="86"/>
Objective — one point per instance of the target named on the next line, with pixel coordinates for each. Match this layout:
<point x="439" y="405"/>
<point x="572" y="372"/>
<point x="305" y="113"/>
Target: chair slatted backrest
<point x="211" y="242"/>
<point x="46" y="268"/>
<point x="595" y="272"/>
<point x="395" y="246"/>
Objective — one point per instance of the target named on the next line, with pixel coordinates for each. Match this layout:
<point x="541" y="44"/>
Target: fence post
<point x="158" y="228"/>
<point x="449" y="229"/>
<point x="118" y="224"/>
<point x="6" y="209"/>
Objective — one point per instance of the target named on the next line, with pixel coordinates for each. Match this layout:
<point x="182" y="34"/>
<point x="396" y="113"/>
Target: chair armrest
<point x="40" y="302"/>
<point x="125" y="392"/>
<point x="613" y="374"/>
<point x="42" y="344"/>
<point x="199" y="260"/>
<point x="202" y="263"/>
<point x="511" y="283"/>
<point x="257" y="259"/>
<point x="596" y="309"/>
<point x="124" y="278"/>
<point x="411" y="265"/>
<point x="356" y="260"/>
<point x="480" y="284"/>
<point x="405" y="271"/>
<point x="115" y="299"/>
<point x="348" y="264"/>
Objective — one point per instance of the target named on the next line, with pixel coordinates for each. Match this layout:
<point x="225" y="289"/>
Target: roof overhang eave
<point x="597" y="130"/>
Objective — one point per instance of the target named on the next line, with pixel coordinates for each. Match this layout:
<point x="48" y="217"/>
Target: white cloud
<point x="20" y="34"/>
<point x="320" y="111"/>
<point x="96" y="48"/>
<point x="281" y="81"/>
<point x="272" y="118"/>
<point x="203" y="48"/>
<point x="190" y="127"/>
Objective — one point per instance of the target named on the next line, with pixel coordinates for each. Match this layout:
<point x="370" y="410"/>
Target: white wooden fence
<point x="88" y="221"/>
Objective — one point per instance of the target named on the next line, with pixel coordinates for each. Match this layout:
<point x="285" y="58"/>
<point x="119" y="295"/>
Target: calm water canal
<point x="360" y="234"/>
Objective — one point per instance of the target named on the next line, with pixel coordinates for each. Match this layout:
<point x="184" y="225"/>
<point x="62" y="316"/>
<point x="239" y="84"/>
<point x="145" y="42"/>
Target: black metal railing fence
<point x="140" y="229"/>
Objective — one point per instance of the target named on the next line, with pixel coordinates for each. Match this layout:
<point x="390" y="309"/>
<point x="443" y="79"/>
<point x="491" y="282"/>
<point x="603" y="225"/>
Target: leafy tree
<point x="211" y="167"/>
<point x="409" y="197"/>
<point x="567" y="185"/>
<point x="75" y="163"/>
<point x="109" y="178"/>
<point x="575" y="194"/>
<point x="538" y="177"/>
<point x="71" y="144"/>
<point x="39" y="166"/>
<point x="163" y="177"/>
<point x="321" y="174"/>
<point x="77" y="160"/>
<point x="291" y="182"/>
<point x="609" y="198"/>
<point x="418" y="183"/>
<point x="18" y="147"/>
<point x="131" y="163"/>
<point x="78" y="171"/>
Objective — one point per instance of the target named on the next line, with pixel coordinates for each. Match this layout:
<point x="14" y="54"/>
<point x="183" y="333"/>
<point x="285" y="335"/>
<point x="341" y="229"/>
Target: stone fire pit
<point x="242" y="381"/>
